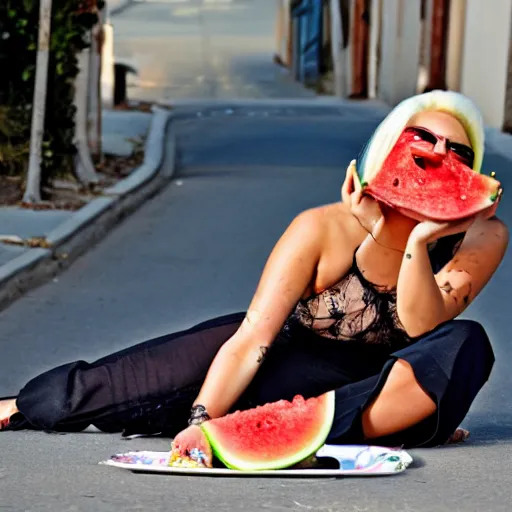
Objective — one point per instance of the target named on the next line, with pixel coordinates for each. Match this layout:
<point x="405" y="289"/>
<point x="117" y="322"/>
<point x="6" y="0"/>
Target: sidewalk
<point x="31" y="232"/>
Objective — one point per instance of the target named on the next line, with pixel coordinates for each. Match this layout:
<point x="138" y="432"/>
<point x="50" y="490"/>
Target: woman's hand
<point x="366" y="209"/>
<point x="189" y="439"/>
<point x="429" y="231"/>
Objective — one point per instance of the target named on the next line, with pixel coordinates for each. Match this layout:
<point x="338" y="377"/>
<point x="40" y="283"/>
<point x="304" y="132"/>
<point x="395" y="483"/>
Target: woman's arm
<point x="287" y="274"/>
<point x="425" y="300"/>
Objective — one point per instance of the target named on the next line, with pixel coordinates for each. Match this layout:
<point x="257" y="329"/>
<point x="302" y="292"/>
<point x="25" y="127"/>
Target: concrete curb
<point x="90" y="224"/>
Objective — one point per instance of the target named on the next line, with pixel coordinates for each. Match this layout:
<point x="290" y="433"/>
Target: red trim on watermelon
<point x="272" y="436"/>
<point x="448" y="190"/>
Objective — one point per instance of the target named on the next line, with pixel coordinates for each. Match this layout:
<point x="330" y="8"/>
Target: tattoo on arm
<point x="263" y="354"/>
<point x="447" y="287"/>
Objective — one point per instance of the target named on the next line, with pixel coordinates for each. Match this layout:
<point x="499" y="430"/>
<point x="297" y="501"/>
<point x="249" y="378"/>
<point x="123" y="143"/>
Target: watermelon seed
<point x="463" y="197"/>
<point x="258" y="425"/>
<point x="396" y="182"/>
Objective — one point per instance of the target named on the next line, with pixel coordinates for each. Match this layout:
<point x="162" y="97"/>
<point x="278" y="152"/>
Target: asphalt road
<point x="201" y="49"/>
<point x="196" y="251"/>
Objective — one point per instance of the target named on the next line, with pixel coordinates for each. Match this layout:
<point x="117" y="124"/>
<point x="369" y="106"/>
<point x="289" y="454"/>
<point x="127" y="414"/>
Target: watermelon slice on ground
<point x="273" y="436"/>
<point x="389" y="172"/>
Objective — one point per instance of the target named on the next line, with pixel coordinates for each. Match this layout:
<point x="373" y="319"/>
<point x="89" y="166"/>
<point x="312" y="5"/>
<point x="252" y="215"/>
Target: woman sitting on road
<point x="356" y="296"/>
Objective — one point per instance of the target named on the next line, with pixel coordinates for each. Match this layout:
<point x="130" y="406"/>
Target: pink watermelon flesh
<point x="272" y="436"/>
<point x="449" y="191"/>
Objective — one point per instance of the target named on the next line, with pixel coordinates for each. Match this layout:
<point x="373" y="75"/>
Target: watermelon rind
<point x="232" y="461"/>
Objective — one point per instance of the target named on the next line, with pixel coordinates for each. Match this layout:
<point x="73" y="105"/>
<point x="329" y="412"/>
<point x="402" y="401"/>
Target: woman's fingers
<point x="430" y="230"/>
<point x="348" y="186"/>
<point x="365" y="209"/>
<point x="192" y="444"/>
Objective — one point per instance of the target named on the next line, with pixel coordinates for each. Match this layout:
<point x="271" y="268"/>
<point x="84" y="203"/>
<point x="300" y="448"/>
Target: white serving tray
<point x="356" y="460"/>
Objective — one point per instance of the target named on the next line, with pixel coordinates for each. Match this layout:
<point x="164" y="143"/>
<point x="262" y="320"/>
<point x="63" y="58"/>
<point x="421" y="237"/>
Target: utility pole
<point x="33" y="192"/>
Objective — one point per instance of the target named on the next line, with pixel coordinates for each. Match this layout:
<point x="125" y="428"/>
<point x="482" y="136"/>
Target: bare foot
<point x="7" y="409"/>
<point x="459" y="436"/>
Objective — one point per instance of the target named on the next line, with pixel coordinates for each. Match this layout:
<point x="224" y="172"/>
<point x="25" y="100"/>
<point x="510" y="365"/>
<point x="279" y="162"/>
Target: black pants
<point x="149" y="388"/>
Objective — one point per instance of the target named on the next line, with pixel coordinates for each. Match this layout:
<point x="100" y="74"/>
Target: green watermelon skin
<point x="272" y="436"/>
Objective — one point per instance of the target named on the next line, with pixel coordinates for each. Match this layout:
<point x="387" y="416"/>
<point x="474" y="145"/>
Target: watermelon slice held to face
<point x="442" y="190"/>
<point x="272" y="436"/>
<point x="391" y="168"/>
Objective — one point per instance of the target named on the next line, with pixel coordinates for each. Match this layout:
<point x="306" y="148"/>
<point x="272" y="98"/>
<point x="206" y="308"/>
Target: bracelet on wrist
<point x="198" y="415"/>
<point x="197" y="421"/>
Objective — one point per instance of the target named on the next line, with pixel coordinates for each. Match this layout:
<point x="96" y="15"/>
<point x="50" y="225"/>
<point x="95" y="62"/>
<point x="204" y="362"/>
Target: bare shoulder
<point x="489" y="236"/>
<point x="332" y="232"/>
<point x="498" y="227"/>
<point x="333" y="217"/>
<point x="327" y="221"/>
<point x="499" y="230"/>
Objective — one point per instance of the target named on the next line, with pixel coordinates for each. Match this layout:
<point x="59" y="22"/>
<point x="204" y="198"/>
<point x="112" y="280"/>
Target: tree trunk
<point x="33" y="191"/>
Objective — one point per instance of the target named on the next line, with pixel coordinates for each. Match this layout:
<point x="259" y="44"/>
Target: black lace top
<point x="356" y="310"/>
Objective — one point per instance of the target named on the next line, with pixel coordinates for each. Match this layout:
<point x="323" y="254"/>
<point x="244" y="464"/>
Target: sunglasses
<point x="462" y="151"/>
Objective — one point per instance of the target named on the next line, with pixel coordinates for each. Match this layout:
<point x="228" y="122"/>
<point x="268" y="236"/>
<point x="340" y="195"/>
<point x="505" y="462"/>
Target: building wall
<point x="484" y="66"/>
<point x="507" y="122"/>
<point x="399" y="50"/>
<point x="455" y="43"/>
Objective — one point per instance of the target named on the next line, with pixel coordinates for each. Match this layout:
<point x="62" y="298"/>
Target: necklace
<point x="376" y="241"/>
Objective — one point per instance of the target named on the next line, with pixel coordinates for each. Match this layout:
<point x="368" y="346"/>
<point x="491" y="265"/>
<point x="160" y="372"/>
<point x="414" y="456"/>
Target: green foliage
<point x="71" y="20"/>
<point x="14" y="146"/>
